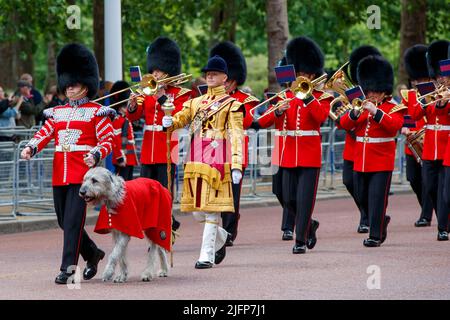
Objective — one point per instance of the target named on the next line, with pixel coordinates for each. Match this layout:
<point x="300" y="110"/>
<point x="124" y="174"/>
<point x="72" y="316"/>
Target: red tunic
<point x="154" y="146"/>
<point x="86" y="127"/>
<point x="298" y="140"/>
<point x="146" y="210"/>
<point x="249" y="102"/>
<point x="445" y="112"/>
<point x="419" y="123"/>
<point x="371" y="156"/>
<point x="435" y="140"/>
<point x="123" y="141"/>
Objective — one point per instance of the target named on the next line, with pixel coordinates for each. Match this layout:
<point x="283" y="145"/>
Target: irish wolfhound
<point x="140" y="207"/>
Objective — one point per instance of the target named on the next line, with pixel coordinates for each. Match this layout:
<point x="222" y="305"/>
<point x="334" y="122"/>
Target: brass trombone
<point x="149" y="85"/>
<point x="302" y="87"/>
<point x="431" y="95"/>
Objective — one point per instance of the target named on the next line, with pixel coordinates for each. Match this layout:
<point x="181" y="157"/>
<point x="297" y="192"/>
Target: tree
<point x="412" y="30"/>
<point x="277" y="36"/>
<point x="99" y="35"/>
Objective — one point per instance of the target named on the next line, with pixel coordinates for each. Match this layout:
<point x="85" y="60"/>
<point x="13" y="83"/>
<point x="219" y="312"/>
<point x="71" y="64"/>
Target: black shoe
<point x="422" y="222"/>
<point x="220" y="255"/>
<point x="91" y="266"/>
<point x="387" y="219"/>
<point x="442" y="236"/>
<point x="362" y="228"/>
<point x="203" y="265"/>
<point x="287" y="235"/>
<point x="63" y="278"/>
<point x="299" y="248"/>
<point x="229" y="242"/>
<point x="369" y="242"/>
<point x="312" y="239"/>
<point x="175" y="224"/>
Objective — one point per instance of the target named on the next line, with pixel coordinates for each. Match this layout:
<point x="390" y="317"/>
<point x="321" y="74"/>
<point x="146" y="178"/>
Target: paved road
<point x="411" y="264"/>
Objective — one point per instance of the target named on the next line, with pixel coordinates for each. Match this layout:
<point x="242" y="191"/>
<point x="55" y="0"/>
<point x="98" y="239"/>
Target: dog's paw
<point x="121" y="278"/>
<point x="146" y="277"/>
<point x="162" y="273"/>
<point x="107" y="276"/>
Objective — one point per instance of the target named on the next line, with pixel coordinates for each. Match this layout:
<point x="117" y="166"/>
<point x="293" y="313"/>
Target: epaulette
<point x="249" y="99"/>
<point x="48" y="113"/>
<point x="182" y="91"/>
<point x="397" y="108"/>
<point x="106" y="111"/>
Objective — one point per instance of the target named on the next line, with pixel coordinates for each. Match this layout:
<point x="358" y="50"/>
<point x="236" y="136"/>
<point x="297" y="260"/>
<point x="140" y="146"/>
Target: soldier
<point x="376" y="125"/>
<point x="124" y="151"/>
<point x="163" y="60"/>
<point x="350" y="138"/>
<point x="237" y="73"/>
<point x="215" y="119"/>
<point x="436" y="135"/>
<point x="83" y="136"/>
<point x="301" y="156"/>
<point x="288" y="215"/>
<point x="416" y="67"/>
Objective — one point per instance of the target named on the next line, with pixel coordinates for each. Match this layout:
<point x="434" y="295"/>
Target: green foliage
<point x="338" y="26"/>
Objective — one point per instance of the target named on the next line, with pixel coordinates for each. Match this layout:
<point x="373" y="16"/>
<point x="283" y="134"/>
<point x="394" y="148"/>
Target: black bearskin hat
<point x="117" y="86"/>
<point x="416" y="62"/>
<point x="357" y="55"/>
<point x="437" y="51"/>
<point x="375" y="73"/>
<point x="76" y="64"/>
<point x="165" y="55"/>
<point x="305" y="55"/>
<point x="237" y="68"/>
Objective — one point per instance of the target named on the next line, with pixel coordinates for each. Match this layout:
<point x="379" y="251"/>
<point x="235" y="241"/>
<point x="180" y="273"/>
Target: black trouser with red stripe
<point x="414" y="176"/>
<point x="433" y="183"/>
<point x="71" y="213"/>
<point x="125" y="172"/>
<point x="372" y="191"/>
<point x="348" y="181"/>
<point x="288" y="218"/>
<point x="230" y="220"/>
<point x="299" y="194"/>
<point x="447" y="193"/>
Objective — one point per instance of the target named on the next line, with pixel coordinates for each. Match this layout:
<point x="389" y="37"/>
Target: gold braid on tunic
<point x="204" y="188"/>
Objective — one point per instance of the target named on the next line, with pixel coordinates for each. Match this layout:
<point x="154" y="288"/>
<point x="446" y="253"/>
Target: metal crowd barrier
<point x="26" y="185"/>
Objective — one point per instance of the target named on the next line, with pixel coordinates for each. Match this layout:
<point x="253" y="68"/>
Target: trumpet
<point x="431" y="95"/>
<point x="302" y="88"/>
<point x="149" y="85"/>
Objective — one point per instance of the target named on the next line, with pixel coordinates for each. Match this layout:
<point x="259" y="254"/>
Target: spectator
<point x="27" y="109"/>
<point x="8" y="114"/>
<point x="37" y="97"/>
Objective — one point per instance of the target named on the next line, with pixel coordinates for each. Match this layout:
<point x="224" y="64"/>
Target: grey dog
<point x="101" y="187"/>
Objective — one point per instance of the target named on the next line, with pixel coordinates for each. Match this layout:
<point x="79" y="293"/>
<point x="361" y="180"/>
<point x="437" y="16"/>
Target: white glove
<point x="167" y="121"/>
<point x="236" y="176"/>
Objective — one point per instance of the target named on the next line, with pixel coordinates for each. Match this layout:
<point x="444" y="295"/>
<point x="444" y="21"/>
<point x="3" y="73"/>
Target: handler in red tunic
<point x="83" y="136"/>
<point x="146" y="210"/>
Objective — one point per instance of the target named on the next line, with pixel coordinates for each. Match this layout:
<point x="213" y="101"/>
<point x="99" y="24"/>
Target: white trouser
<point x="214" y="236"/>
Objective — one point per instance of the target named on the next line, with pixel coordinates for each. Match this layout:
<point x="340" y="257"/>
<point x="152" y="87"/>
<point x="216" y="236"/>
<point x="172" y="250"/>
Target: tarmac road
<point x="410" y="265"/>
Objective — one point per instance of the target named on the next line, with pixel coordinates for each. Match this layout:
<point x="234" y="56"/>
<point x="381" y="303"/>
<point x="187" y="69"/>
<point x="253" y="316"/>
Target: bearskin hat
<point x="305" y="55"/>
<point x="76" y="64"/>
<point x="121" y="96"/>
<point x="437" y="51"/>
<point x="165" y="55"/>
<point x="357" y="55"/>
<point x="282" y="61"/>
<point x="375" y="73"/>
<point x="237" y="67"/>
<point x="416" y="62"/>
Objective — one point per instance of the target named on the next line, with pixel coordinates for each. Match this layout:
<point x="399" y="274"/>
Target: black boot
<point x="422" y="222"/>
<point x="299" y="248"/>
<point x="63" y="278"/>
<point x="203" y="265"/>
<point x="442" y="236"/>
<point x="387" y="219"/>
<point x="362" y="228"/>
<point x="287" y="235"/>
<point x="91" y="266"/>
<point x="312" y="239"/>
